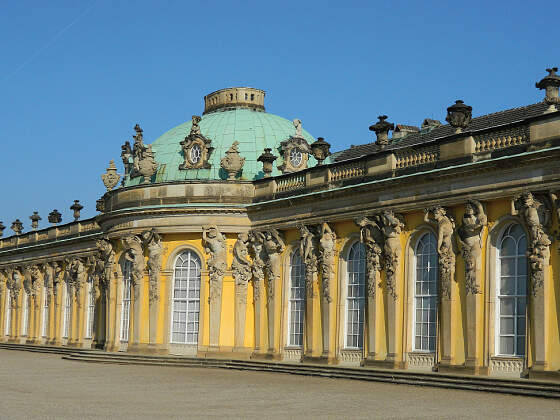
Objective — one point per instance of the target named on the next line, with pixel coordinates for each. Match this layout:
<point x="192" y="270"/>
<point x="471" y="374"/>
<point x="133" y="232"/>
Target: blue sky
<point x="75" y="76"/>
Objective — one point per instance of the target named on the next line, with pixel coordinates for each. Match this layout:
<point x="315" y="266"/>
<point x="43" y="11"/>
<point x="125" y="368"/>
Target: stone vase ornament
<point x="110" y="178"/>
<point x="233" y="162"/>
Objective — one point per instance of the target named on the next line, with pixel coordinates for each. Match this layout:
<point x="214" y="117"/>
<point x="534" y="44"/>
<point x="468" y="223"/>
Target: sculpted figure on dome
<point x="134" y="253"/>
<point x="327" y="243"/>
<point x="240" y="266"/>
<point x="215" y="246"/>
<point x="308" y="251"/>
<point x="274" y="246"/>
<point x="256" y="241"/>
<point x="196" y="148"/>
<point x="195" y="128"/>
<point x="143" y="158"/>
<point x="470" y="239"/>
<point x="372" y="238"/>
<point x="298" y="127"/>
<point x="445" y="222"/>
<point x="152" y="241"/>
<point x="126" y="156"/>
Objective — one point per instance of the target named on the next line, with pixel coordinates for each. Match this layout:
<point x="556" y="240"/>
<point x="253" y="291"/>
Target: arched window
<point x="186" y="299"/>
<point x="425" y="293"/>
<point x="67" y="311"/>
<point x="296" y="300"/>
<point x="25" y="325"/>
<point x="8" y="312"/>
<point x="45" y="319"/>
<point x="90" y="308"/>
<point x="125" y="310"/>
<point x="512" y="291"/>
<point x="355" y="296"/>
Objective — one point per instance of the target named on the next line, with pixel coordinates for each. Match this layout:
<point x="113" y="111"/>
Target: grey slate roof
<point x="483" y="122"/>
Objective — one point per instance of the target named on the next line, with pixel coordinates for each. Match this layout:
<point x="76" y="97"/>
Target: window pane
<point x="506" y="326"/>
<point x="506" y="345"/>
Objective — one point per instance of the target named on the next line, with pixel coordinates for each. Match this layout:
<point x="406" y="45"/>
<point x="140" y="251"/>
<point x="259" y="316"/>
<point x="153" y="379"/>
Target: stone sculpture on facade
<point x="215" y="246"/>
<point x="196" y="148"/>
<point x="391" y="225"/>
<point x="320" y="149"/>
<point x="133" y="252"/>
<point x="15" y="286"/>
<point x="77" y="275"/>
<point x="111" y="178"/>
<point x="372" y="238"/>
<point x="256" y="241"/>
<point x="274" y="246"/>
<point x="327" y="243"/>
<point x="152" y="242"/>
<point x="240" y="266"/>
<point x="308" y="251"/>
<point x="445" y="223"/>
<point x="298" y="127"/>
<point x="35" y="218"/>
<point x="535" y="211"/>
<point x="470" y="239"/>
<point x="232" y="162"/>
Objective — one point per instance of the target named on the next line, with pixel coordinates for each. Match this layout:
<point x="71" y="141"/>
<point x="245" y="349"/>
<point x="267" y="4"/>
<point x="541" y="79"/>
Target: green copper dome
<point x="255" y="130"/>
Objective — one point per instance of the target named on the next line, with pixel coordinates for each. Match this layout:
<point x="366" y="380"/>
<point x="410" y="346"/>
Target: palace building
<point x="240" y="235"/>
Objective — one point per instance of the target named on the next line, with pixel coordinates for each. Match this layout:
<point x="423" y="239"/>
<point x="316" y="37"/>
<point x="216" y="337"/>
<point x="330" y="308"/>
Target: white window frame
<point x="292" y="302"/>
<point x="362" y="298"/>
<point x="125" y="301"/>
<point x="25" y="315"/>
<point x="516" y="297"/>
<point x="416" y="296"/>
<point x="90" y="313"/>
<point x="8" y="316"/>
<point x="193" y="261"/>
<point x="67" y="316"/>
<point x="45" y="317"/>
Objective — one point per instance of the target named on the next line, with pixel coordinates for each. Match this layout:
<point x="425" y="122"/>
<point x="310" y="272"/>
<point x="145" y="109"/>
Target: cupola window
<point x="296" y="157"/>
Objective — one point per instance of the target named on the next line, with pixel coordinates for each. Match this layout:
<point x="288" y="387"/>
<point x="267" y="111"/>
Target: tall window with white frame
<point x="8" y="312"/>
<point x="425" y="293"/>
<point x="25" y="321"/>
<point x="186" y="299"/>
<point x="67" y="311"/>
<point x="125" y="311"/>
<point x="296" y="303"/>
<point x="45" y="317"/>
<point x="512" y="291"/>
<point x="355" y="296"/>
<point x="90" y="309"/>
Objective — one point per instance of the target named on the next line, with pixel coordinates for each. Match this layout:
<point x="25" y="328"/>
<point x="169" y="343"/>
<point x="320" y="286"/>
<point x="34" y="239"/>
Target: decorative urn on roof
<point x="320" y="149"/>
<point x="17" y="227"/>
<point x="111" y="178"/>
<point x="55" y="217"/>
<point x="232" y="162"/>
<point x="2" y="227"/>
<point x="459" y="115"/>
<point x="381" y="129"/>
<point x="35" y="218"/>
<point x="267" y="159"/>
<point x="77" y="207"/>
<point x="550" y="84"/>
